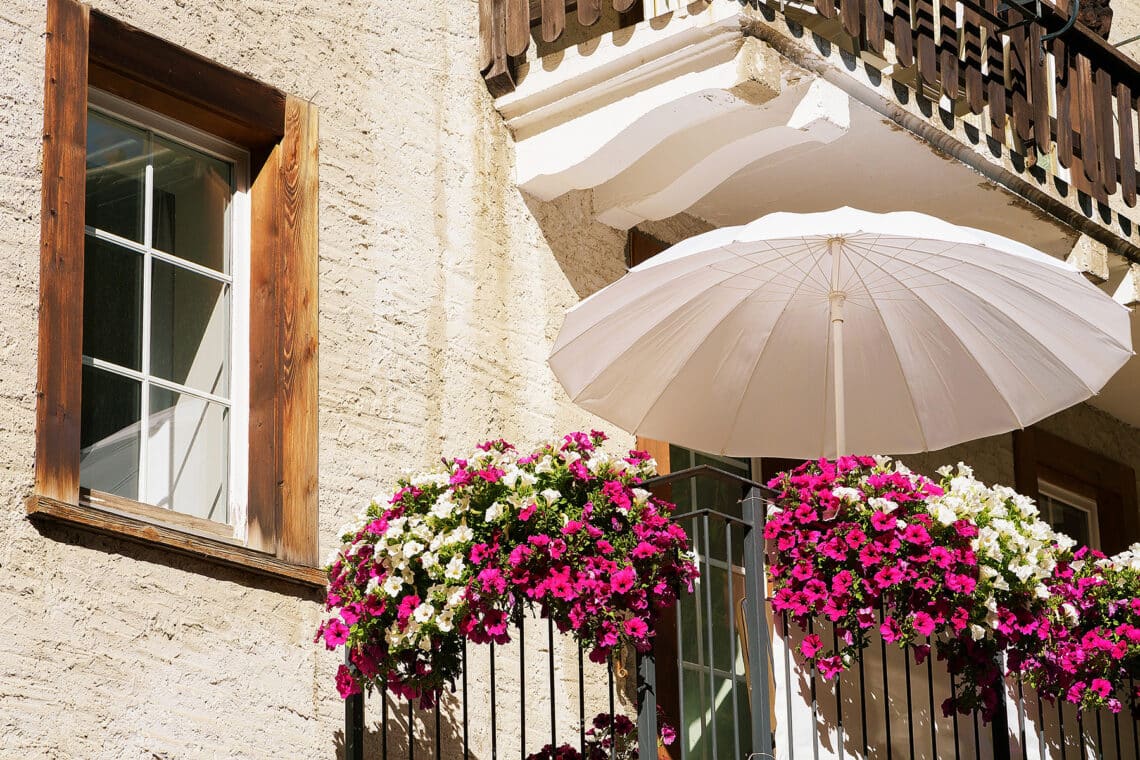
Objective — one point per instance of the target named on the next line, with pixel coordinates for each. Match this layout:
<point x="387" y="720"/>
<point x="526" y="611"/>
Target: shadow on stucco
<point x="590" y="254"/>
<point x="432" y="737"/>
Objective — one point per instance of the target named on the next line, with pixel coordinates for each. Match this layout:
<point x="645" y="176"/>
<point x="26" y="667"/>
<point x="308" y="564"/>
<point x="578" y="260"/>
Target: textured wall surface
<point x="441" y="290"/>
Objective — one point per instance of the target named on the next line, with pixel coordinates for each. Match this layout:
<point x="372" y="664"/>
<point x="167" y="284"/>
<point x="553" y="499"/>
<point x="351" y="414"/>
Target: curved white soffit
<point x="594" y="147"/>
<point x="677" y="174"/>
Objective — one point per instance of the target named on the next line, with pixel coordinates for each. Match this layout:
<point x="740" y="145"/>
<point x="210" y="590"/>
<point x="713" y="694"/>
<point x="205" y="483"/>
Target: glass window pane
<point x="116" y="168"/>
<point x="189" y="334"/>
<point x="112" y="303"/>
<point x="109" y="433"/>
<point x="192" y="194"/>
<point x="187" y="455"/>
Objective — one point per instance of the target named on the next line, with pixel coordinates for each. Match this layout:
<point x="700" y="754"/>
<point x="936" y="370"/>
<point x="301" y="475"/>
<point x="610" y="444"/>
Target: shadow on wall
<point x="590" y="254"/>
<point x="436" y="733"/>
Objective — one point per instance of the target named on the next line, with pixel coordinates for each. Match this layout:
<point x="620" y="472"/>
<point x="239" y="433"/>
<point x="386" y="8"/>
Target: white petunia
<point x="393" y="585"/>
<point x="455" y="567"/>
<point x="847" y="495"/>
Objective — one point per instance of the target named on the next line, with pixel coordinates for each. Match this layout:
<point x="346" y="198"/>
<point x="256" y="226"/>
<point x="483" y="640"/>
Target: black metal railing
<point x="727" y="674"/>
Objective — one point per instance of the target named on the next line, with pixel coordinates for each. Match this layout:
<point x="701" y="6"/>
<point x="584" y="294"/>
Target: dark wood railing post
<point x="758" y="636"/>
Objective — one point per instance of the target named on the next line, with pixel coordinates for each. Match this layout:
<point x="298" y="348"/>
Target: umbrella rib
<point x="1031" y="336"/>
<point x="759" y="354"/>
<point x="894" y="349"/>
<point x="935" y="313"/>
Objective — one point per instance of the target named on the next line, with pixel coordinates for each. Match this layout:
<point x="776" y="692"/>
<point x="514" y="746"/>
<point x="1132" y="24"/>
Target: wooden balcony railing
<point x="1046" y="87"/>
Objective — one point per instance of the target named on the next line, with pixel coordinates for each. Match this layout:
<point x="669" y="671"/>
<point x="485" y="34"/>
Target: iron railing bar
<point x="788" y="688"/>
<point x="494" y="711"/>
<point x="909" y="702"/>
<point x="1040" y="727"/>
<point x="732" y="641"/>
<point x="886" y="692"/>
<point x="977" y="737"/>
<point x="466" y="740"/>
<point x="411" y="730"/>
<point x="1021" y="717"/>
<point x="954" y="718"/>
<point x="1061" y="726"/>
<point x="930" y="692"/>
<point x="384" y="724"/>
<point x="706" y="591"/>
<point x="704" y="470"/>
<point x="1116" y="729"/>
<point x="1081" y="733"/>
<point x="353" y="721"/>
<point x="581" y="701"/>
<point x="756" y="624"/>
<point x="1099" y="737"/>
<point x="437" y="731"/>
<point x="709" y="513"/>
<point x="1135" y="730"/>
<point x="610" y="676"/>
<point x="550" y="662"/>
<point x="838" y="697"/>
<point x="522" y="687"/>
<point x="814" y="701"/>
<point x="863" y="701"/>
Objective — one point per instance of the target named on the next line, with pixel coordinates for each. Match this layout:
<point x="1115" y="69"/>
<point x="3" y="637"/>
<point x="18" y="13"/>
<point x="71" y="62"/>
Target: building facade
<point x="417" y="246"/>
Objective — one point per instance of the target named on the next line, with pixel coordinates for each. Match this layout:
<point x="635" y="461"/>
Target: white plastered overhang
<point x="655" y="123"/>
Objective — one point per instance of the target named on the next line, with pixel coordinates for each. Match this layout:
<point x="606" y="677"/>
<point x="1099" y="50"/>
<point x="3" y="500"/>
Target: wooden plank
<point x="1106" y="139"/>
<point x="1126" y="116"/>
<point x="518" y="26"/>
<point x="138" y="530"/>
<point x="621" y="6"/>
<point x="59" y="371"/>
<point x="589" y="11"/>
<point x="1065" y="93"/>
<point x="297" y="334"/>
<point x="1085" y="118"/>
<point x="826" y="8"/>
<point x="264" y="451"/>
<point x="875" y="25"/>
<point x="1039" y="86"/>
<point x="486" y="58"/>
<point x="902" y="34"/>
<point x="948" y="48"/>
<point x="499" y="77"/>
<point x="1018" y="84"/>
<point x="972" y="62"/>
<point x="849" y="15"/>
<point x="995" y="76"/>
<point x="924" y="41"/>
<point x="167" y="517"/>
<point x="178" y="71"/>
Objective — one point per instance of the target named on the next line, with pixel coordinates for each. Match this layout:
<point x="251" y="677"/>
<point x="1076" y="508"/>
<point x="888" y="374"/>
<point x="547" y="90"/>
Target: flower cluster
<point x="458" y="553"/>
<point x="1088" y="650"/>
<point x="611" y="736"/>
<point x="870" y="545"/>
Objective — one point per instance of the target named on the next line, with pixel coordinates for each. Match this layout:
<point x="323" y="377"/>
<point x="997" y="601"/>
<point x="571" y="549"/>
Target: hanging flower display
<point x="456" y="554"/>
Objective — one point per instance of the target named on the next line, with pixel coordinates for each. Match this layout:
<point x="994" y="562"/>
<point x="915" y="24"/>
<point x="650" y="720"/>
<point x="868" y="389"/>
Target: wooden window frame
<point x="1111" y="484"/>
<point x="87" y="48"/>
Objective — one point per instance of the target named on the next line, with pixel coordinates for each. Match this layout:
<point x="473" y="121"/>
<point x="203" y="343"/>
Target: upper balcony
<point x="662" y="108"/>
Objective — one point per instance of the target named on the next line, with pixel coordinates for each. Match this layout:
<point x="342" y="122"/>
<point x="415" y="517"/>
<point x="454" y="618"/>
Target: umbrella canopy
<point x="728" y="341"/>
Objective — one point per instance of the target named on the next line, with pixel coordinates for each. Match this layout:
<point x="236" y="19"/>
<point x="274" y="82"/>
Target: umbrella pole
<point x="836" y="298"/>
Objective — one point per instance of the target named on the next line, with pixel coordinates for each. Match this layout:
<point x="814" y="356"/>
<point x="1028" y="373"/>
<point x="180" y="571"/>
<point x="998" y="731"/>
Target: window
<point x="1088" y="496"/>
<point x="177" y="362"/>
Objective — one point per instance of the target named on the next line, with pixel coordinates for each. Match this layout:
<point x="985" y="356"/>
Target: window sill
<point x="211" y="548"/>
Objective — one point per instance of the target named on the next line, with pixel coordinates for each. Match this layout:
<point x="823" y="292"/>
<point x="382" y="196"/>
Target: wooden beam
<point x="168" y="68"/>
<point x="139" y="530"/>
<point x="59" y="377"/>
<point x="297" y="334"/>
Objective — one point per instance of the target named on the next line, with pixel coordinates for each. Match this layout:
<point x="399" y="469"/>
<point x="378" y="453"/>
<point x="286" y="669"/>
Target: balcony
<point x="662" y="109"/>
<point x="726" y="672"/>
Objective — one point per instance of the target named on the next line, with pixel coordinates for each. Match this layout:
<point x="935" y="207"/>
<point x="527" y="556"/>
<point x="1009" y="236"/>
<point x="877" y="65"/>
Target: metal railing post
<point x="646" y="704"/>
<point x="757" y="624"/>
<point x="353" y="722"/>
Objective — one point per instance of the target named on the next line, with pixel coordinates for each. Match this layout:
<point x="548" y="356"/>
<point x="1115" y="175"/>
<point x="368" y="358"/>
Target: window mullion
<point x="144" y="395"/>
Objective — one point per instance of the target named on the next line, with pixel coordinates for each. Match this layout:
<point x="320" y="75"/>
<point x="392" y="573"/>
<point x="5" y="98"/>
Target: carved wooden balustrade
<point x="1042" y="85"/>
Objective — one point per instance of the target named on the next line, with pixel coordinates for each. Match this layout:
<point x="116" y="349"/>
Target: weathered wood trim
<point x="166" y="517"/>
<point x="135" y="529"/>
<point x="59" y="372"/>
<point x="297" y="334"/>
<point x="264" y="451"/>
<point x="193" y="79"/>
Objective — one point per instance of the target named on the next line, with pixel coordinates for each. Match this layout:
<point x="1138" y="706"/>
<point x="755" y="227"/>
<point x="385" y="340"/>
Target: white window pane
<point x="189" y="333"/>
<point x="192" y="193"/>
<point x="187" y="455"/>
<point x="112" y="303"/>
<point x="116" y="167"/>
<point x="109" y="433"/>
